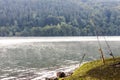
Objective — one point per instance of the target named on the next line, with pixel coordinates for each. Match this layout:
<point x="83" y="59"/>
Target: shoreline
<point x="39" y="74"/>
<point x="65" y="69"/>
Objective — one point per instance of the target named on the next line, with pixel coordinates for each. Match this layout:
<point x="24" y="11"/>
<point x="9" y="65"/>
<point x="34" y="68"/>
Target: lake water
<point x="34" y="58"/>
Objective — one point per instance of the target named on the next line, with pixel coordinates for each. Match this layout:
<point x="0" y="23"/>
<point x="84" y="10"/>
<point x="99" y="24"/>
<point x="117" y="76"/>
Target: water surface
<point x="35" y="58"/>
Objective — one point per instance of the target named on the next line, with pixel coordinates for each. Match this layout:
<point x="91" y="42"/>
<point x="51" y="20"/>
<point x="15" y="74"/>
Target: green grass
<point x="96" y="70"/>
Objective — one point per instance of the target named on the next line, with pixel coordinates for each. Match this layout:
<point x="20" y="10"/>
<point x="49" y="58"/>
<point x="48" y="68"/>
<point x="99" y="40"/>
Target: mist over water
<point x="28" y="57"/>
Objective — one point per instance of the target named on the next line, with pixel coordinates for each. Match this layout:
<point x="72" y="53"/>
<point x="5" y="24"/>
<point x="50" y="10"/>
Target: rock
<point x="60" y="74"/>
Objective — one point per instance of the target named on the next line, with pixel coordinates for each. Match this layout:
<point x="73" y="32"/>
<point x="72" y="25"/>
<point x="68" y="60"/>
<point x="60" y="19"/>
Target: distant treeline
<point x="59" y="17"/>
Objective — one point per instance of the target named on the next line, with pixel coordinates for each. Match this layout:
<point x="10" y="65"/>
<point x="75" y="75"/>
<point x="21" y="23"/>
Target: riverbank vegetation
<point x="96" y="70"/>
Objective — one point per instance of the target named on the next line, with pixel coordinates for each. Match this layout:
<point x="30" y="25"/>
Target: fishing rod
<point x="82" y="59"/>
<point x="109" y="48"/>
<point x="100" y="47"/>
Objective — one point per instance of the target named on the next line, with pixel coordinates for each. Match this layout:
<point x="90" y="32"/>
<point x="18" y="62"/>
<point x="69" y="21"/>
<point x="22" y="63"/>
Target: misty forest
<point x="59" y="17"/>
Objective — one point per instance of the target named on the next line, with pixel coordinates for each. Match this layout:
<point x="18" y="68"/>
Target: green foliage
<point x="4" y="31"/>
<point x="21" y="17"/>
<point x="96" y="70"/>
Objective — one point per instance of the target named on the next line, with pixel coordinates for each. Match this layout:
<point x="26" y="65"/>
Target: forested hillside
<point x="59" y="17"/>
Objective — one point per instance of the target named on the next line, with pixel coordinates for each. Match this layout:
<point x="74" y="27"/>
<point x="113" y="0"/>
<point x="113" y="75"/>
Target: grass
<point x="96" y="70"/>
